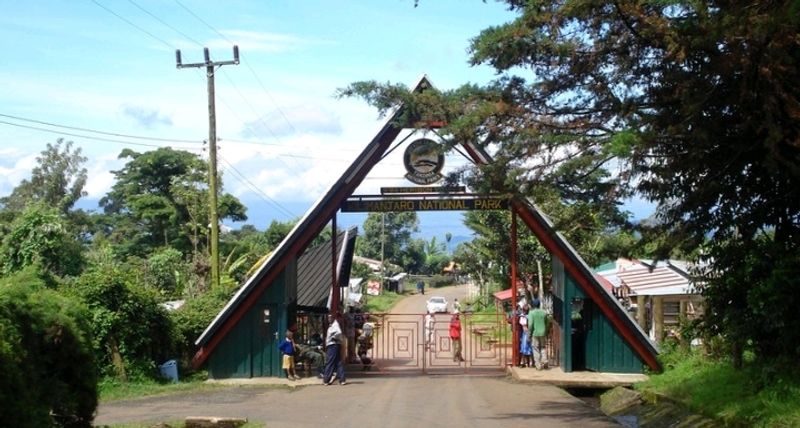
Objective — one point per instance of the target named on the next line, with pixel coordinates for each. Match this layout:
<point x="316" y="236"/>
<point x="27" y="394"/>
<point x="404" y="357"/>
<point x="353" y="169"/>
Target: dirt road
<point x="416" y="401"/>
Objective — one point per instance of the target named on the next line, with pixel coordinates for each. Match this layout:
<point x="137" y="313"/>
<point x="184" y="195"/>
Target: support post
<point x="514" y="322"/>
<point x="641" y="311"/>
<point x="334" y="286"/>
<point x="658" y="318"/>
<point x="212" y="153"/>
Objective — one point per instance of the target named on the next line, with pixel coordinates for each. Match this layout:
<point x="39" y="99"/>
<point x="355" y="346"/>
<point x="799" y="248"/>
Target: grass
<point x="735" y="397"/>
<point x="112" y="389"/>
<point x="381" y="303"/>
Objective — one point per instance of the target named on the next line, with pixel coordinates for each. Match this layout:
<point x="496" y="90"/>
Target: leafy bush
<point x="166" y="271"/>
<point x="193" y="317"/>
<point x="41" y="236"/>
<point x="132" y="332"/>
<point x="48" y="376"/>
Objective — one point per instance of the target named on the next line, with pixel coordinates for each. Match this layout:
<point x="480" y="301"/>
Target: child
<point x="287" y="349"/>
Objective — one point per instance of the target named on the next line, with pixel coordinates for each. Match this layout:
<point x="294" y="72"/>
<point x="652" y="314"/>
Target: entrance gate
<point x="402" y="345"/>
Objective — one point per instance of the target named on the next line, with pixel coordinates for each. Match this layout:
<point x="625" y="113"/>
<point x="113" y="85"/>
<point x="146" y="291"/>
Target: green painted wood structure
<point x="251" y="349"/>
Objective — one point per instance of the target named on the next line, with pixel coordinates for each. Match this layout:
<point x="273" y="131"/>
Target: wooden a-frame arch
<point x="325" y="209"/>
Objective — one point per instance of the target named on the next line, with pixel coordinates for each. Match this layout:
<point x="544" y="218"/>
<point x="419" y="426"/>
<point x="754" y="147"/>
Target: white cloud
<point x="301" y="119"/>
<point x="16" y="171"/>
<point x="257" y="41"/>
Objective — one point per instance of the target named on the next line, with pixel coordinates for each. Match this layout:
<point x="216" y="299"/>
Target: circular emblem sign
<point x="424" y="161"/>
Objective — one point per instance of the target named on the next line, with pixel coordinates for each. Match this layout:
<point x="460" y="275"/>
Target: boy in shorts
<point x="287" y="349"/>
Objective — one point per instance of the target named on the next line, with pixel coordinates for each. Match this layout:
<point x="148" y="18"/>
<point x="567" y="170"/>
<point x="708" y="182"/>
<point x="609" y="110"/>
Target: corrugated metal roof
<point x="314" y="270"/>
<point x="663" y="279"/>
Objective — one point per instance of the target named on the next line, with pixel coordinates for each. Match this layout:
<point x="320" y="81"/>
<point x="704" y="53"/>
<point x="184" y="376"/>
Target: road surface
<point x="371" y="401"/>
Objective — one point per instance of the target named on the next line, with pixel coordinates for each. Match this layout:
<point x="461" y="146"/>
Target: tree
<point x="160" y="198"/>
<point x="41" y="237"/>
<point x="386" y="235"/>
<point x="694" y="105"/>
<point x="57" y="181"/>
<point x="132" y="332"/>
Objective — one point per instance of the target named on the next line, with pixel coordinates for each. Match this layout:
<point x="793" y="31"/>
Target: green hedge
<point x="48" y="375"/>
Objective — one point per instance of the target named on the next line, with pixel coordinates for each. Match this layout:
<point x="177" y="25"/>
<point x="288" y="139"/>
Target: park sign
<point x="477" y="203"/>
<point x="430" y="189"/>
<point x="424" y="160"/>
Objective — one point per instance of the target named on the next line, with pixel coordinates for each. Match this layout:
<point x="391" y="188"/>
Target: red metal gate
<point x="402" y="344"/>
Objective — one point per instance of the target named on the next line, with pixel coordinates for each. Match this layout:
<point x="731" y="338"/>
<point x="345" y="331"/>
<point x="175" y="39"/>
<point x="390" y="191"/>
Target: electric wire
<point x="165" y="23"/>
<point x="88" y="137"/>
<point x="94" y="131"/>
<point x="243" y="61"/>
<point x="132" y="24"/>
<point x="243" y="178"/>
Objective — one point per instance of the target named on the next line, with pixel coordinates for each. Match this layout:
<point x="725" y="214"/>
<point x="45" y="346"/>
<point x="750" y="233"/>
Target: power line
<point x="242" y="178"/>
<point x="133" y="25"/>
<point x="246" y="64"/>
<point x="112" y="134"/>
<point x="165" y="23"/>
<point x="88" y="137"/>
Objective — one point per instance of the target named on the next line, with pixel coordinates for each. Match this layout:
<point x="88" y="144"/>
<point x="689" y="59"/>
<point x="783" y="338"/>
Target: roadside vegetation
<point x="756" y="395"/>
<point x="112" y="389"/>
<point x="381" y="303"/>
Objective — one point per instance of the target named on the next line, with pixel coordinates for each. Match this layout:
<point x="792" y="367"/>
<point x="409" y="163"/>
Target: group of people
<point x="454" y="331"/>
<point x="533" y="321"/>
<point x="337" y="343"/>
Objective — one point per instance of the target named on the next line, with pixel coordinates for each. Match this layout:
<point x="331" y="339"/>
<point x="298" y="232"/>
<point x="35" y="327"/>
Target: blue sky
<point x="109" y="65"/>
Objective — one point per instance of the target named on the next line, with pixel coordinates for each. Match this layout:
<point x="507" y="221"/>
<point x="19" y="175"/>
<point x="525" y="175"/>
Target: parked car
<point x="437" y="304"/>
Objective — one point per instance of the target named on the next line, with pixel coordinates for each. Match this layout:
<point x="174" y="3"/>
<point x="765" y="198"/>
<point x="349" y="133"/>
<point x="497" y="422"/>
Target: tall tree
<point x="386" y="235"/>
<point x="57" y="181"/>
<point x="694" y="105"/>
<point x="160" y="198"/>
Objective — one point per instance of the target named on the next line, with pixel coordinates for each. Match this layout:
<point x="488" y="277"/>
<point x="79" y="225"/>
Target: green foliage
<point x="736" y="397"/>
<point x="381" y="303"/>
<point x="194" y="316"/>
<point x="57" y="181"/>
<point x="387" y="236"/>
<point x="167" y="272"/>
<point x="753" y="304"/>
<point x="41" y="236"/>
<point x="48" y="376"/>
<point x="691" y="105"/>
<point x="160" y="199"/>
<point x="127" y="320"/>
<point x="360" y="270"/>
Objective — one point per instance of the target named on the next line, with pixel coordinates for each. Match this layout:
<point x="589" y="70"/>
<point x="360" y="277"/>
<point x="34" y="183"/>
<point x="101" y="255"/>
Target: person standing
<point x="429" y="324"/>
<point x="287" y="350"/>
<point x="455" y="337"/>
<point x="421" y="286"/>
<point x="537" y="319"/>
<point x="333" y="351"/>
<point x="456" y="306"/>
<point x="525" y="350"/>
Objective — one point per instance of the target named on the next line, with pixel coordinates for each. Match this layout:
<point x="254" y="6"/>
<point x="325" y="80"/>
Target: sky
<point x="76" y="67"/>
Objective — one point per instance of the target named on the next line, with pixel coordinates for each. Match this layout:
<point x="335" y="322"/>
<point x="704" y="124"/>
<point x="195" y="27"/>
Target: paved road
<point x="371" y="401"/>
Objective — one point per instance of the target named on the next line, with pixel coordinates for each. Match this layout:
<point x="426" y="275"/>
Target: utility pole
<point x="212" y="152"/>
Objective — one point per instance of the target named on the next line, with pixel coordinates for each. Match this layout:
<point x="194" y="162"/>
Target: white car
<point x="437" y="304"/>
